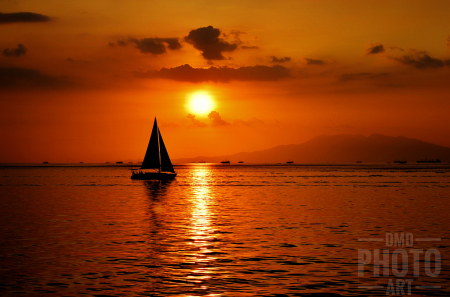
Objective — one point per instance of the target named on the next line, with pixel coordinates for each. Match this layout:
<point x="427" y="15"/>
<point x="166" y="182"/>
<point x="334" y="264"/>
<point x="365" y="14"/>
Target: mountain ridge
<point x="342" y="148"/>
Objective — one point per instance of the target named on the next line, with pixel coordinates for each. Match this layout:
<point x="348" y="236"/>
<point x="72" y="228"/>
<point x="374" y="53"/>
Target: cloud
<point x="195" y="122"/>
<point x="15" y="52"/>
<point x="71" y="60"/>
<point x="220" y="74"/>
<point x="448" y="41"/>
<point x="422" y="60"/>
<point x="358" y="76"/>
<point x="314" y="62"/>
<point x="207" y="41"/>
<point x="217" y="119"/>
<point x="174" y="43"/>
<point x="375" y="49"/>
<point x="23" y="78"/>
<point x="155" y="46"/>
<point x="249" y="47"/>
<point x="22" y="17"/>
<point x="397" y="48"/>
<point x="279" y="60"/>
<point x="236" y="35"/>
<point x="167" y="124"/>
<point x="252" y="122"/>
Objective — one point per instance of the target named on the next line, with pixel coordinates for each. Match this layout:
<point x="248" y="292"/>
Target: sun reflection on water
<point x="202" y="232"/>
<point x="200" y="227"/>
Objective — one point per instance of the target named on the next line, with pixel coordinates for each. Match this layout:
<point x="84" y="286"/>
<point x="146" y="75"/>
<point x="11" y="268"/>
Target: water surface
<point x="216" y="230"/>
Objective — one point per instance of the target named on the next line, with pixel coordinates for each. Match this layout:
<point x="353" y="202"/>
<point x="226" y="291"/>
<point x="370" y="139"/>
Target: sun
<point x="201" y="103"/>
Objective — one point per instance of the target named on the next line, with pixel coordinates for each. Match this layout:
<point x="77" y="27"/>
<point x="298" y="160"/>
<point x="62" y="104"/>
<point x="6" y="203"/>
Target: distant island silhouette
<point x="344" y="148"/>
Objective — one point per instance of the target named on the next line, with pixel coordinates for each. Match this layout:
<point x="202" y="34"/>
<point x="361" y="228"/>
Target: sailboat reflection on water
<point x="156" y="157"/>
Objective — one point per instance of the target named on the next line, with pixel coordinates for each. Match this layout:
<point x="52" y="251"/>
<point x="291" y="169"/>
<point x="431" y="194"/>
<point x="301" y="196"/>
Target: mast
<point x="159" y="148"/>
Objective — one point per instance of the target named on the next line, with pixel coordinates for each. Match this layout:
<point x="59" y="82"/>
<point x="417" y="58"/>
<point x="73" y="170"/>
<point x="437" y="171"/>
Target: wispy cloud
<point x="195" y="122"/>
<point x="375" y="49"/>
<point x="15" y="52"/>
<point x="397" y="48"/>
<point x="154" y="45"/>
<point x="216" y="119"/>
<point x="250" y="47"/>
<point x="274" y="59"/>
<point x="314" y="62"/>
<point x="251" y="122"/>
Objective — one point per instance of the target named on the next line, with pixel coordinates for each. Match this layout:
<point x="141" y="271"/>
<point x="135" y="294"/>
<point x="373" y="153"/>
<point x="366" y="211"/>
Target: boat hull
<point x="153" y="175"/>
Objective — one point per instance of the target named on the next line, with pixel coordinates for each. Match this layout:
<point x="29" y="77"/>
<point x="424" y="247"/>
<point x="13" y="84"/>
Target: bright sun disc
<point x="201" y="103"/>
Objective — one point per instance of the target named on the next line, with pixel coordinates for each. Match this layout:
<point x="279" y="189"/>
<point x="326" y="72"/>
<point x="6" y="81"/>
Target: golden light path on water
<point x="201" y="230"/>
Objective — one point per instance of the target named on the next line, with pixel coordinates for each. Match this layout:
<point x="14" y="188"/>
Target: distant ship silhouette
<point x="156" y="157"/>
<point x="429" y="161"/>
<point x="225" y="162"/>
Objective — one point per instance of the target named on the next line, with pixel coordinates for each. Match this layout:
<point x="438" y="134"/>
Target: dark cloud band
<point x="220" y="74"/>
<point x="24" y="78"/>
<point x="22" y="17"/>
<point x="361" y="76"/>
<point x="423" y="61"/>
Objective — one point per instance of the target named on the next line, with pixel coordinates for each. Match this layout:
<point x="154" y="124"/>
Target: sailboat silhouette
<point x="156" y="157"/>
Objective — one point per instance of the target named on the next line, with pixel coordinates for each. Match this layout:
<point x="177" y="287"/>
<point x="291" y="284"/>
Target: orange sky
<point x="83" y="80"/>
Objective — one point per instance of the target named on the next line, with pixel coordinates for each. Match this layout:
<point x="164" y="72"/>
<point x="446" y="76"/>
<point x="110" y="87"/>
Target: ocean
<point x="226" y="230"/>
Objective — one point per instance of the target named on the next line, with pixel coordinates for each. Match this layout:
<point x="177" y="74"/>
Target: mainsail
<point x="156" y="156"/>
<point x="151" y="159"/>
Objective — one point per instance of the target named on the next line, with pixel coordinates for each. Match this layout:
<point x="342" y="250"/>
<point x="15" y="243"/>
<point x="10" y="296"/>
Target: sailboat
<point x="156" y="157"/>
